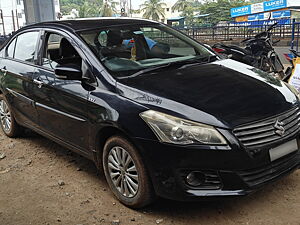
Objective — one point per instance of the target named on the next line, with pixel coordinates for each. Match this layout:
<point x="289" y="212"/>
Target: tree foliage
<point x="153" y="9"/>
<point x="218" y="10"/>
<point x="109" y="8"/>
<point x="90" y="8"/>
<point x="182" y="5"/>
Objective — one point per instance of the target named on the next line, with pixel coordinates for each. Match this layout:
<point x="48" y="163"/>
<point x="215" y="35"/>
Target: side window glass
<point x="11" y="49"/>
<point x="58" y="50"/>
<point x="51" y="53"/>
<point x="26" y="46"/>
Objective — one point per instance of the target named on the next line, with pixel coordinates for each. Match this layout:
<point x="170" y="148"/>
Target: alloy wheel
<point x="123" y="172"/>
<point x="5" y="116"/>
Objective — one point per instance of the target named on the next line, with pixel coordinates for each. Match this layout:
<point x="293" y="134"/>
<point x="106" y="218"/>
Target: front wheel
<point x="7" y="120"/>
<point x="126" y="174"/>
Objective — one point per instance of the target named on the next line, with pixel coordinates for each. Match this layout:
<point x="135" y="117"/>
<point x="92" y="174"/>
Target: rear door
<point x="18" y="67"/>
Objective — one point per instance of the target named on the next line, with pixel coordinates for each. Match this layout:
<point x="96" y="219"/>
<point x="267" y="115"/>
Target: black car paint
<point x="217" y="88"/>
<point x="224" y="94"/>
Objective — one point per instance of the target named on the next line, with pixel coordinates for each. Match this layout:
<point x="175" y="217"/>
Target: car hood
<point x="224" y="93"/>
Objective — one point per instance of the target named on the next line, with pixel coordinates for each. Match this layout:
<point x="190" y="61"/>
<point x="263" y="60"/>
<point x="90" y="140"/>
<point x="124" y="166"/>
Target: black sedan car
<point x="159" y="112"/>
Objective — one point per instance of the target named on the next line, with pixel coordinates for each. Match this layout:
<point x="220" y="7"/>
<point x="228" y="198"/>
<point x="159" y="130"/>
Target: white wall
<point x="291" y="3"/>
<point x="18" y="8"/>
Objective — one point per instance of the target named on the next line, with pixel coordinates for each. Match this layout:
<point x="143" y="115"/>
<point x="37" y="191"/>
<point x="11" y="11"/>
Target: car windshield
<point x="128" y="50"/>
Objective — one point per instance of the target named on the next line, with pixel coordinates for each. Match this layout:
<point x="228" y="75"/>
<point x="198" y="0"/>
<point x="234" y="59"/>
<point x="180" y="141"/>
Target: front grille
<point x="269" y="130"/>
<point x="277" y="168"/>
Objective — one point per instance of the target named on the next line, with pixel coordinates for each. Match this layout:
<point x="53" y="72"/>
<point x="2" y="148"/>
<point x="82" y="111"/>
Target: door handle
<point x="38" y="82"/>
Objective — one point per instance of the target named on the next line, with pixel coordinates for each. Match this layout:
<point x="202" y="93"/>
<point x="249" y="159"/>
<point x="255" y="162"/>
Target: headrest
<point x="66" y="49"/>
<point x="114" y="38"/>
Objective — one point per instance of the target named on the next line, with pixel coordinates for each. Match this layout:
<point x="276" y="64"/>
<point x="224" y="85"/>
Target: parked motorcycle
<point x="259" y="52"/>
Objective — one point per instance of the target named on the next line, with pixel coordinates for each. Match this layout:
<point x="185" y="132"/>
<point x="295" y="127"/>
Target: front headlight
<point x="294" y="90"/>
<point x="174" y="130"/>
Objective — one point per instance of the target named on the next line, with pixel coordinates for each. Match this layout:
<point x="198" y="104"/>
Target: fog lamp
<point x="195" y="178"/>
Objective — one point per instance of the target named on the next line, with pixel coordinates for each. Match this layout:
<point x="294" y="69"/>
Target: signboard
<point x="263" y="7"/>
<point x="267" y="15"/>
<point x="240" y="11"/>
<point x="260" y="22"/>
<point x="257" y="8"/>
<point x="281" y="14"/>
<point x="241" y="19"/>
<point x="275" y="4"/>
<point x="259" y="16"/>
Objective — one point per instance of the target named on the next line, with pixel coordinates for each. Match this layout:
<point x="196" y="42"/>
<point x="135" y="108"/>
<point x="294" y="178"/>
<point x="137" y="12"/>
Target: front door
<point x="61" y="104"/>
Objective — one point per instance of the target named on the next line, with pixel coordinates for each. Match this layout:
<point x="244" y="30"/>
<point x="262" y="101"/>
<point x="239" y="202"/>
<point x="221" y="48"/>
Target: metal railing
<point x="236" y="32"/>
<point x="295" y="36"/>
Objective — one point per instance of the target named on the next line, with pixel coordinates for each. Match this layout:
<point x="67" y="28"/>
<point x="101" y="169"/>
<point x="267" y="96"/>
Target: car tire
<point x="7" y="120"/>
<point x="133" y="174"/>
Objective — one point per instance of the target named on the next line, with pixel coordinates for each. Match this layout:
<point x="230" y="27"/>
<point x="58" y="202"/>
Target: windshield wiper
<point x="147" y="70"/>
<point x="193" y="61"/>
<point x="207" y="59"/>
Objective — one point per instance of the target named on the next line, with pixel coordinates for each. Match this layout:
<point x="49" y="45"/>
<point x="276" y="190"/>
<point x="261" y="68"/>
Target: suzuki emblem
<point x="279" y="126"/>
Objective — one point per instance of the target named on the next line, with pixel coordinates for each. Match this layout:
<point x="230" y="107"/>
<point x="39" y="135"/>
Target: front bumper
<point x="228" y="172"/>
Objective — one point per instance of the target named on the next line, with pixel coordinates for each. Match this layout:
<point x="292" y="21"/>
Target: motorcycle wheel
<point x="265" y="65"/>
<point x="281" y="75"/>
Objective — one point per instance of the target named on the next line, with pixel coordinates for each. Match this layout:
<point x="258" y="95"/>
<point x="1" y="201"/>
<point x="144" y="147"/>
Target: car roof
<point x="92" y="23"/>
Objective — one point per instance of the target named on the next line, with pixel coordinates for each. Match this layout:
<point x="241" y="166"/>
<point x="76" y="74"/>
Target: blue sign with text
<point x="254" y="17"/>
<point x="267" y="6"/>
<point x="240" y="11"/>
<point x="281" y="14"/>
<point x="275" y="4"/>
<point x="261" y="22"/>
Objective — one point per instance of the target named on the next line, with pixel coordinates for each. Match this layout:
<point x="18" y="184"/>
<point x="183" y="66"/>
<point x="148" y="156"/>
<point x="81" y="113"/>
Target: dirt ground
<point x="30" y="193"/>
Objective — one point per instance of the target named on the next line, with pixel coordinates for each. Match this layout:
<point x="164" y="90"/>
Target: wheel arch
<point x="102" y="136"/>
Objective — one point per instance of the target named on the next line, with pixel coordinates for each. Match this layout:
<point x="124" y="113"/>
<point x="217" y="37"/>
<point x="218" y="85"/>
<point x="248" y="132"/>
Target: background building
<point x="40" y="10"/>
<point x="18" y="13"/>
<point x="13" y="15"/>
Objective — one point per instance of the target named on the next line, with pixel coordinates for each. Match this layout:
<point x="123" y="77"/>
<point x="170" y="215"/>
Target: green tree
<point x="182" y="5"/>
<point x="68" y="5"/>
<point x="188" y="9"/>
<point x="153" y="9"/>
<point x="219" y="10"/>
<point x="109" y="8"/>
<point x="255" y="1"/>
<point x="86" y="8"/>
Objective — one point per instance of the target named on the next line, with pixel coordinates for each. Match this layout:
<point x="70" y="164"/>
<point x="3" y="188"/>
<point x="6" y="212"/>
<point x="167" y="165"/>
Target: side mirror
<point x="68" y="72"/>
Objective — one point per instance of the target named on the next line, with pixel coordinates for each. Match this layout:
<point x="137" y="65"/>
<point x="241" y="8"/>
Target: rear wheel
<point x="7" y="120"/>
<point x="126" y="174"/>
